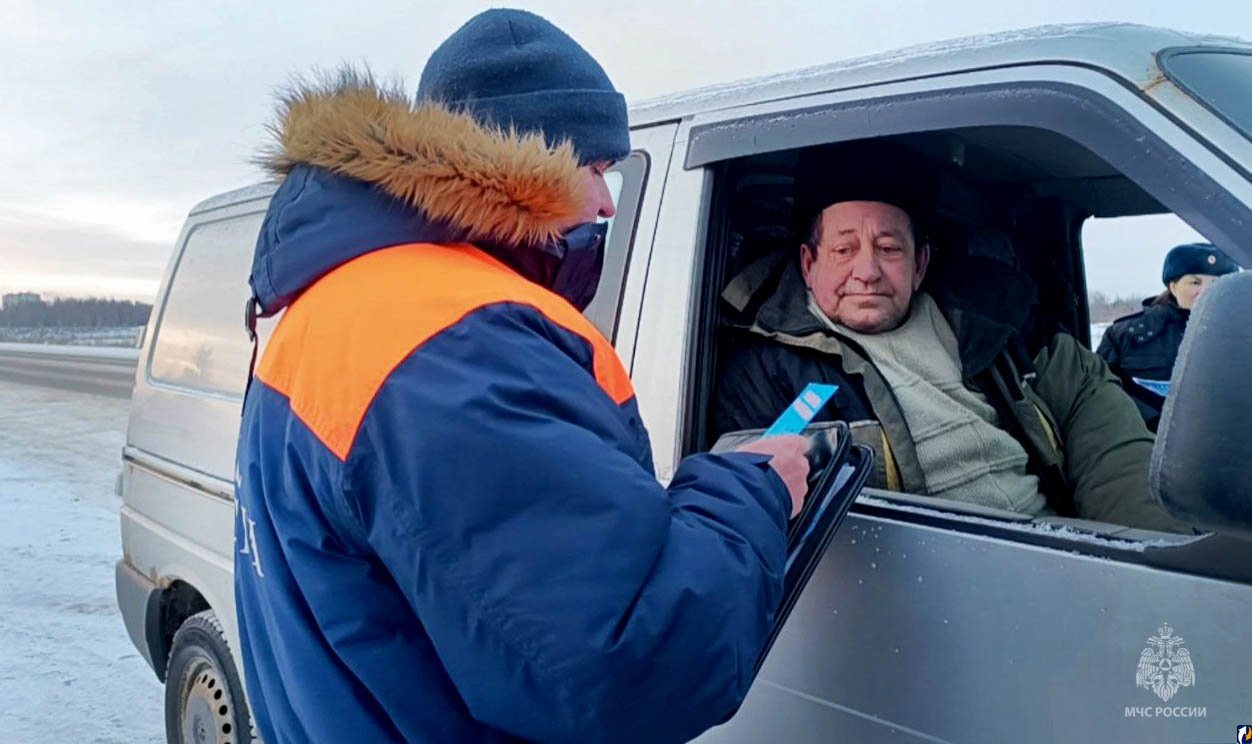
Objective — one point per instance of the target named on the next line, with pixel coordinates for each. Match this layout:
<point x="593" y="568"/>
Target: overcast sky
<point x="116" y="117"/>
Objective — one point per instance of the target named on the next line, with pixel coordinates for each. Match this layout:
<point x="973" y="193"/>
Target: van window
<point x="1011" y="200"/>
<point x="1123" y="257"/>
<point x="625" y="182"/>
<point x="1221" y="80"/>
<point x="200" y="343"/>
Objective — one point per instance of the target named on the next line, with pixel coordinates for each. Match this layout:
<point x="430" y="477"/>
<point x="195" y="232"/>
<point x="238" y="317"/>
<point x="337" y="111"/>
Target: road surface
<point x="68" y="671"/>
<point x="96" y="371"/>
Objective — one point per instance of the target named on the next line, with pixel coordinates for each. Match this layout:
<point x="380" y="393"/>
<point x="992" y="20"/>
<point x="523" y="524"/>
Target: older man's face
<point x="864" y="270"/>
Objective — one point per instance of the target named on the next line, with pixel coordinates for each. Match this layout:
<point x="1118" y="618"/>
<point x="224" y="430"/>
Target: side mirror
<point x="1202" y="464"/>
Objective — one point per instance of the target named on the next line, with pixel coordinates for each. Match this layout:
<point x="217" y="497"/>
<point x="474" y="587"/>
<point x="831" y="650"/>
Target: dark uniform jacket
<point x="1144" y="346"/>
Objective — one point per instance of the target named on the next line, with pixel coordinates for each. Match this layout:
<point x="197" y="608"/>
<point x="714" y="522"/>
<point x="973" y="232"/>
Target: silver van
<point x="925" y="620"/>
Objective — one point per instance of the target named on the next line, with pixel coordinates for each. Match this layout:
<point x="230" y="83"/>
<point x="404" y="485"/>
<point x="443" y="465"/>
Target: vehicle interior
<point x="1015" y="194"/>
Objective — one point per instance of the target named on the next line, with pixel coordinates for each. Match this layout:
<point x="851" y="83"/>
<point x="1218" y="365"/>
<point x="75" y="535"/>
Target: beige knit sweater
<point x="963" y="452"/>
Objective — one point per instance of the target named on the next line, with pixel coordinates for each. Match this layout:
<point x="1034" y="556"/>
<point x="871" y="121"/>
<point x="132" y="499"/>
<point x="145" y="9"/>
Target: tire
<point x="204" y="701"/>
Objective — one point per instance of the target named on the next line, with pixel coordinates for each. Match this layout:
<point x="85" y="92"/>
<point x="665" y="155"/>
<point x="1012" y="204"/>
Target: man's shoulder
<point x="1068" y="341"/>
<point x="1068" y="359"/>
<point x="750" y="348"/>
<point x="765" y="368"/>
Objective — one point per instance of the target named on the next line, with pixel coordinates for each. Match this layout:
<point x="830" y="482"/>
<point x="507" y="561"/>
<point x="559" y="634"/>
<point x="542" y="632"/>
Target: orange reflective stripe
<point x="338" y="343"/>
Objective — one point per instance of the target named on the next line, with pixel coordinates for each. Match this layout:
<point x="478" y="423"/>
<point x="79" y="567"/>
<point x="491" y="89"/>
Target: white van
<point x="926" y="620"/>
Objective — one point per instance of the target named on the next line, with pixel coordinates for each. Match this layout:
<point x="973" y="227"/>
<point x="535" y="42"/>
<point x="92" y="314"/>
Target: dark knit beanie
<point x="510" y="68"/>
<point x="1196" y="258"/>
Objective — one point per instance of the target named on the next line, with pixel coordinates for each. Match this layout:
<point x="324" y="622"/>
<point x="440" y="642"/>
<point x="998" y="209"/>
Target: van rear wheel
<point x="204" y="701"/>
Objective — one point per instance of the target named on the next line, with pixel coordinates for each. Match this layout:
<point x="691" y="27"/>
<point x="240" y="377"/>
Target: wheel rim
<point x="207" y="709"/>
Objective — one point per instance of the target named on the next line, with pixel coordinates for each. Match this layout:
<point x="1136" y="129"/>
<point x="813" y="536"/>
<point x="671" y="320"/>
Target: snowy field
<point x="68" y="672"/>
<point x="1097" y="333"/>
<point x="125" y="337"/>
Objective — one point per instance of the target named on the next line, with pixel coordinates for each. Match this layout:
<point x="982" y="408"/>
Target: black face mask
<point x="580" y="262"/>
<point x="570" y="266"/>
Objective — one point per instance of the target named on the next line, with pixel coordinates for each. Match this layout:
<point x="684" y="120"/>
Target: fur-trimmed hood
<point x="363" y="168"/>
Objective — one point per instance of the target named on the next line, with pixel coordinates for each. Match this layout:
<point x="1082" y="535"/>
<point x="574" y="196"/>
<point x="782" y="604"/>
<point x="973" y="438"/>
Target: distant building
<point x="20" y="298"/>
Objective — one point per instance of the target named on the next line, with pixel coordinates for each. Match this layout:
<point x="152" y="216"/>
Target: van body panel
<point x="1126" y="51"/>
<point x="658" y="143"/>
<point x="139" y="602"/>
<point x="166" y="556"/>
<point x="177" y="513"/>
<point x="968" y="638"/>
<point x="660" y="360"/>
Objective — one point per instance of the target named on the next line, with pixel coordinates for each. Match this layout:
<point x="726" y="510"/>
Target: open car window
<point x="1032" y="196"/>
<point x="1123" y="257"/>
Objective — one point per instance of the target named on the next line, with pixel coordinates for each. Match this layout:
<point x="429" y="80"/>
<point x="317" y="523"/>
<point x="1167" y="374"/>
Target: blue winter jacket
<point x="449" y="529"/>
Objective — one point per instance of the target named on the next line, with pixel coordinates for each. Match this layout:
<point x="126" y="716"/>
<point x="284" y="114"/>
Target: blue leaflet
<point x="1160" y="387"/>
<point x="802" y="409"/>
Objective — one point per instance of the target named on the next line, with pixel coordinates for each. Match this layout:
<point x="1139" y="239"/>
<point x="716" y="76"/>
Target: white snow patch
<point x="68" y="671"/>
<point x="120" y="336"/>
<point x="1097" y="333"/>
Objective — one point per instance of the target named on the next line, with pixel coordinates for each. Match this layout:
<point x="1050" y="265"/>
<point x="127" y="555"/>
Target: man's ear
<point x="807" y="256"/>
<point x="923" y="263"/>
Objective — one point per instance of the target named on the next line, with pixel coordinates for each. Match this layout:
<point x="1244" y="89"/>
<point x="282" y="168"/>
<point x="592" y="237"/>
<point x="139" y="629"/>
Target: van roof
<point x="263" y="190"/>
<point x="1126" y="50"/>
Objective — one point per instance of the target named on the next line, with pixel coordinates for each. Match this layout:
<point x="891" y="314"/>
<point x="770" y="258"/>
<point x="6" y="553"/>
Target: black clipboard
<point x="839" y="472"/>
<point x="819" y="530"/>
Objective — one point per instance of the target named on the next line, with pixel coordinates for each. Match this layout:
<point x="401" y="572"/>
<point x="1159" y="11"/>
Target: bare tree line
<point x="77" y="313"/>
<point x="1105" y="309"/>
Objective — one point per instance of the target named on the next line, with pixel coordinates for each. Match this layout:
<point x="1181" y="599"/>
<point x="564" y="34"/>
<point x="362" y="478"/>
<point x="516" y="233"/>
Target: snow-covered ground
<point x="68" y="672"/>
<point x="127" y="336"/>
<point x="1097" y="333"/>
